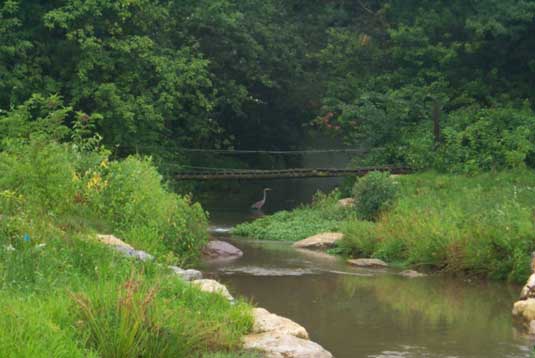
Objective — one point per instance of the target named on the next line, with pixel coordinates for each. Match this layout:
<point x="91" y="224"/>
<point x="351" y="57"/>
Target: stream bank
<point x="355" y="312"/>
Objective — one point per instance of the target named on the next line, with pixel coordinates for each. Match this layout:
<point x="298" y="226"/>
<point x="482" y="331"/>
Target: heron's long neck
<point x="265" y="194"/>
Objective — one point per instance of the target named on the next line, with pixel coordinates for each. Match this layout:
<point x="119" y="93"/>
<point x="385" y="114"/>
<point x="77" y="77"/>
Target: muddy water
<point x="358" y="313"/>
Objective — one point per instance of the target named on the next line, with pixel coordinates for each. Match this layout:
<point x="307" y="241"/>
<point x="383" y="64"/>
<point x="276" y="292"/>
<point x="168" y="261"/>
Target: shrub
<point x="360" y="239"/>
<point x="477" y="139"/>
<point x="50" y="188"/>
<point x="480" y="225"/>
<point x="134" y="199"/>
<point x="38" y="117"/>
<point x="40" y="173"/>
<point x="373" y="193"/>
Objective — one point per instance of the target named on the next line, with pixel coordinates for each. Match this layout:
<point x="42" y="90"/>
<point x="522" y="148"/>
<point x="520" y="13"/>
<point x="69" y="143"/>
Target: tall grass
<point x="481" y="225"/>
<point x="86" y="298"/>
<point x="63" y="294"/>
<point x="49" y="188"/>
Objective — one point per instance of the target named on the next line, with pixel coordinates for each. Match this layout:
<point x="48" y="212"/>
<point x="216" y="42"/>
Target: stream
<point x="357" y="313"/>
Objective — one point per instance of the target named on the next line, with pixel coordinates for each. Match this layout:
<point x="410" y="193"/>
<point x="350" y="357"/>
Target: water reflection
<point x="361" y="313"/>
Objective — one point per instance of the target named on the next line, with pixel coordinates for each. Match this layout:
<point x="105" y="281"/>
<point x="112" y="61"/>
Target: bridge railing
<point x="225" y="174"/>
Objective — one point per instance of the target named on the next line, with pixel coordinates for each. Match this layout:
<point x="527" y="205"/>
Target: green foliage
<point x="480" y="225"/>
<point x="373" y="194"/>
<point x="35" y="322"/>
<point x="40" y="173"/>
<point x="128" y="197"/>
<point x="127" y="322"/>
<point x="38" y="117"/>
<point x="64" y="294"/>
<point x="388" y="64"/>
<point x="148" y="314"/>
<point x="360" y="239"/>
<point x="476" y="140"/>
<point x="149" y="217"/>
<point x="160" y="75"/>
<point x="163" y="75"/>
<point x="323" y="215"/>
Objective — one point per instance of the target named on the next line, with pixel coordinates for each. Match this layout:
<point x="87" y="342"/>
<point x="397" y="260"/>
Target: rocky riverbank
<point x="327" y="240"/>
<point x="272" y="335"/>
<point x="524" y="308"/>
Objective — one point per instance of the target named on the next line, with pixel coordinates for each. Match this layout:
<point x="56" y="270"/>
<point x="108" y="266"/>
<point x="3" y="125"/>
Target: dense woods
<point x="154" y="76"/>
<point x="102" y="100"/>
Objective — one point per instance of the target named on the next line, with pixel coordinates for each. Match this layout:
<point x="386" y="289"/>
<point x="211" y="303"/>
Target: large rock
<point x="346" y="202"/>
<point x="113" y="241"/>
<point x="137" y="254"/>
<point x="412" y="274"/>
<point x="373" y="263"/>
<point x="187" y="275"/>
<point x="124" y="248"/>
<point x="274" y="345"/>
<point x="320" y="241"/>
<point x="525" y="310"/>
<point x="264" y="321"/>
<point x="213" y="286"/>
<point x="528" y="291"/>
<point x="217" y="249"/>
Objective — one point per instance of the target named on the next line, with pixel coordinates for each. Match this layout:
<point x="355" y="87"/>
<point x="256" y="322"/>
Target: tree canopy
<point x="157" y="75"/>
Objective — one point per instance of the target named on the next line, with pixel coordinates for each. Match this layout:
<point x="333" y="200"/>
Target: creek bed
<point x="359" y="313"/>
<point x="368" y="313"/>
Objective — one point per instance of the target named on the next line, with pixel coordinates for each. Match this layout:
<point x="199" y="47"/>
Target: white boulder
<point x="274" y="345"/>
<point x="373" y="263"/>
<point x="265" y="321"/>
<point x="213" y="286"/>
<point x="324" y="240"/>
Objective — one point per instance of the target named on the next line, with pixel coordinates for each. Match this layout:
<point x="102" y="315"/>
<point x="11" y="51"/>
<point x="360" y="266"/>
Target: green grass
<point x="64" y="294"/>
<point x="322" y="216"/>
<point x="76" y="298"/>
<point x="480" y="225"/>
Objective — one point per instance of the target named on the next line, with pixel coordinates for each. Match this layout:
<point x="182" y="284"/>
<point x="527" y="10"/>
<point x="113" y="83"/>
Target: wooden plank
<point x="287" y="173"/>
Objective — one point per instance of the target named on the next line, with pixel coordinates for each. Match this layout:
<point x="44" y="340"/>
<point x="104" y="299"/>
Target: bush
<point x="50" y="188"/>
<point x="373" y="194"/>
<point x="360" y="239"/>
<point x="63" y="293"/>
<point x="134" y="199"/>
<point x="477" y="139"/>
<point x="479" y="225"/>
<point x="40" y="174"/>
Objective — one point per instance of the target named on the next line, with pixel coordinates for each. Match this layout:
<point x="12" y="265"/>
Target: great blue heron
<point x="259" y="204"/>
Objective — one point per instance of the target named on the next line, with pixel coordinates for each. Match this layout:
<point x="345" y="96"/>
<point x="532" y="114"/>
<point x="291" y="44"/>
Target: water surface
<point x="358" y="313"/>
<point x="369" y="313"/>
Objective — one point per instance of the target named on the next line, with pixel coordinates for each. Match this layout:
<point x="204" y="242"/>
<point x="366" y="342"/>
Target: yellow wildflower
<point x="94" y="182"/>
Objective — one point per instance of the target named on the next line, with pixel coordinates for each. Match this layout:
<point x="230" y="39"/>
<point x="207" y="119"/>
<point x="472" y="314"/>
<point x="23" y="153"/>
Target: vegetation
<point x="62" y="293"/>
<point x="481" y="225"/>
<point x="75" y="298"/>
<point x="373" y="194"/>
<point x="88" y="89"/>
<point x="323" y="215"/>
<point x="161" y="75"/>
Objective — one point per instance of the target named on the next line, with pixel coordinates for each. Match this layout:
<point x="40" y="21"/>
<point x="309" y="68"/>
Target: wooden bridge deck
<point x="285" y="173"/>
